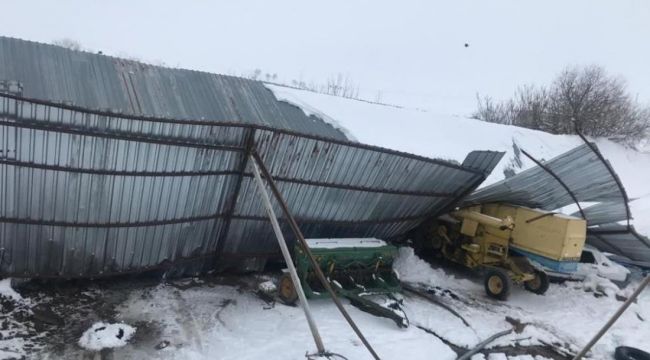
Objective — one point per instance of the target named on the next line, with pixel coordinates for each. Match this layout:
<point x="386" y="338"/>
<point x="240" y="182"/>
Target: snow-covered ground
<point x="568" y="315"/>
<point x="452" y="138"/>
<point x="223" y="318"/>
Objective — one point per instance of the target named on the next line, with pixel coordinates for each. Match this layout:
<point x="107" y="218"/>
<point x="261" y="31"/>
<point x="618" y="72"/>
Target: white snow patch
<point x="413" y="269"/>
<point x="281" y="94"/>
<point x="595" y="283"/>
<point x="103" y="335"/>
<point x="568" y="313"/>
<point x="8" y="354"/>
<point x="221" y="322"/>
<point x="497" y="356"/>
<point x="267" y="287"/>
<point x="7" y="291"/>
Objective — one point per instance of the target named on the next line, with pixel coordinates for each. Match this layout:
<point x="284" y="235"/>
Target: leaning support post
<point x="615" y="317"/>
<point x="303" y="243"/>
<point x="287" y="258"/>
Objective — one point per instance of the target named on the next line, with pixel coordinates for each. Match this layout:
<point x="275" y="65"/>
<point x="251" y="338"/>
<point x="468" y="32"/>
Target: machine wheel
<point x="497" y="283"/>
<point x="539" y="284"/>
<point x="286" y="290"/>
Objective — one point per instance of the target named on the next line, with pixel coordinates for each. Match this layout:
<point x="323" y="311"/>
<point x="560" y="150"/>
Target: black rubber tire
<point x="539" y="285"/>
<point x="630" y="353"/>
<point x="286" y="290"/>
<point x="497" y="283"/>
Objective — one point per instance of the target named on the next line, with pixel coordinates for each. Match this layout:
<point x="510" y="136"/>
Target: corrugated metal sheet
<point x="604" y="213"/>
<point x="88" y="193"/>
<point x="620" y="239"/>
<point x="481" y="160"/>
<point x="590" y="179"/>
<point x="53" y="73"/>
<point x="580" y="169"/>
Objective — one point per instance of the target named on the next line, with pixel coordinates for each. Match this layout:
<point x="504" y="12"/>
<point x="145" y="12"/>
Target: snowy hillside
<point x="452" y="138"/>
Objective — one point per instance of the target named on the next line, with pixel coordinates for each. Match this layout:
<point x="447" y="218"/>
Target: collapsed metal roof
<point x="620" y="239"/>
<point x="103" y="172"/>
<point x="89" y="193"/>
<point x="579" y="176"/>
<point x="54" y="73"/>
<point x="580" y="169"/>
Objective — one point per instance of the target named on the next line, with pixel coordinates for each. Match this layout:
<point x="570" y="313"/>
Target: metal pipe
<point x="484" y="219"/>
<point x="301" y="239"/>
<point x="287" y="258"/>
<point x="613" y="319"/>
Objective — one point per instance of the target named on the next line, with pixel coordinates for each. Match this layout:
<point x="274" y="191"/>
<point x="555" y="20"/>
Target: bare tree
<point x="495" y="112"/>
<point x="596" y="103"/>
<point x="529" y="107"/>
<point x="342" y="85"/>
<point x="583" y="98"/>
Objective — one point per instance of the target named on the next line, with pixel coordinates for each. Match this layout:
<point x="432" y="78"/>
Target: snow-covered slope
<point x="452" y="138"/>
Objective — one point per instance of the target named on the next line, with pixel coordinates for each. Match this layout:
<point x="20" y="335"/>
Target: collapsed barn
<point x="111" y="166"/>
<point x="140" y="186"/>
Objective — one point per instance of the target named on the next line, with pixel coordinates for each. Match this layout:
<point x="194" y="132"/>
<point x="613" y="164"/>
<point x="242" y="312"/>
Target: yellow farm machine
<point x="510" y="244"/>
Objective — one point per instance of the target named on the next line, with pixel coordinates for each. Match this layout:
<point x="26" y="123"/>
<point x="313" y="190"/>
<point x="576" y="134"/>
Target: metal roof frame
<point x="116" y="169"/>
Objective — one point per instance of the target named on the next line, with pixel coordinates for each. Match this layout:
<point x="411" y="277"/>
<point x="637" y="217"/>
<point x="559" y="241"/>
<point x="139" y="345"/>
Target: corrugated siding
<point x="590" y="180"/>
<point x="86" y="193"/>
<point x="604" y="213"/>
<point x="619" y="239"/>
<point x="481" y="160"/>
<point x="53" y="73"/>
<point x="580" y="169"/>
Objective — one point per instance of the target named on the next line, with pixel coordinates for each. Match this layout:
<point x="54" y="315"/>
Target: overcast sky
<point x="411" y="51"/>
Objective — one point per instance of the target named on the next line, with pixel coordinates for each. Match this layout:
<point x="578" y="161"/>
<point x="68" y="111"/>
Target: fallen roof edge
<point x="219" y="123"/>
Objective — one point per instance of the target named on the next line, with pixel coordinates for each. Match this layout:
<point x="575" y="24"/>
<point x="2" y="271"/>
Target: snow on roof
<point x="425" y="133"/>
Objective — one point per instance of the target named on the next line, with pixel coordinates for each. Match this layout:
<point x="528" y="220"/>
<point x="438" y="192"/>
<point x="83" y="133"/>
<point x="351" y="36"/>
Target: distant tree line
<point x="584" y="98"/>
<point x="338" y="85"/>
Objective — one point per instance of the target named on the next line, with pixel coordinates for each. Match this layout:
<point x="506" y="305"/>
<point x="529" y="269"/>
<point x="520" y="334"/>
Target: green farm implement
<point x="360" y="270"/>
